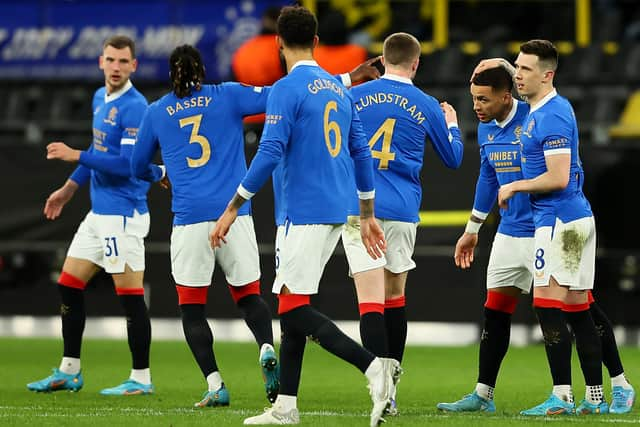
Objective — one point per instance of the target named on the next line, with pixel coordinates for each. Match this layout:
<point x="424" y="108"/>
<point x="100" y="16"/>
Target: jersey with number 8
<point x="397" y="118"/>
<point x="202" y="143"/>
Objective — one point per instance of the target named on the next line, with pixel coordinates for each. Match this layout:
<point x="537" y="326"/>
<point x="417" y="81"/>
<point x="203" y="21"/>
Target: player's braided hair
<point x="186" y="70"/>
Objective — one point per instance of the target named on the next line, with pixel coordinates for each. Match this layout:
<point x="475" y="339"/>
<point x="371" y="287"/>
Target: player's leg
<point x="368" y="276"/>
<point x="305" y="251"/>
<point x="575" y="245"/>
<point x="192" y="264"/>
<point x="82" y="263"/>
<point x="623" y="394"/>
<point x="240" y="262"/>
<point x="508" y="275"/>
<point x="548" y="300"/>
<point x="124" y="258"/>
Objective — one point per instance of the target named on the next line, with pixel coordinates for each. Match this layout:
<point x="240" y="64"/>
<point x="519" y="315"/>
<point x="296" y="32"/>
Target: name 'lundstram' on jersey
<point x="397" y="119"/>
<point x="201" y="139"/>
<point x="500" y="164"/>
<point x="115" y="123"/>
<point x="550" y="129"/>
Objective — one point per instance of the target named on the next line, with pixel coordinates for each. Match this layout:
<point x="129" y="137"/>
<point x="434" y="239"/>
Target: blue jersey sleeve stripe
<point x="557" y="151"/>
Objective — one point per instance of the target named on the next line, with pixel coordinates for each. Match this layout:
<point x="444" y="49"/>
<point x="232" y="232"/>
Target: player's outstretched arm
<point x="56" y="201"/>
<point x="365" y="71"/>
<point x="486" y="64"/>
<point x="463" y="255"/>
<point x="223" y="224"/>
<point x="61" y="151"/>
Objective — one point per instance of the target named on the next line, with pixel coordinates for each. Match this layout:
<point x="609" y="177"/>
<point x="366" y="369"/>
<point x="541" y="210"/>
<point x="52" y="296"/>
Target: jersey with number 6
<point x="312" y="127"/>
<point x="397" y="118"/>
<point x="202" y="144"/>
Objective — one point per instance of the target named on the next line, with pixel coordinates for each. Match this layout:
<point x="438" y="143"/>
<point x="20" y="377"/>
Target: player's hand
<point x="365" y="71"/>
<point x="373" y="237"/>
<point x="465" y="246"/>
<point x="486" y="64"/>
<point x="165" y="183"/>
<point x="219" y="233"/>
<point x="61" y="151"/>
<point x="450" y="114"/>
<point x="56" y="201"/>
<point x="506" y="192"/>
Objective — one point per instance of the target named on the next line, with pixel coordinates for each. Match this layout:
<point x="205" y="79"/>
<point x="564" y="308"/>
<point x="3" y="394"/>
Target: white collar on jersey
<point x="397" y="78"/>
<point x="310" y="62"/>
<point x="543" y="101"/>
<point x="117" y="94"/>
<point x="510" y="116"/>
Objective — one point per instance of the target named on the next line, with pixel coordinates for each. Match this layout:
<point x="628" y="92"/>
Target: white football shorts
<point x="193" y="260"/>
<point x="401" y="240"/>
<point x="566" y="252"/>
<point x="302" y="251"/>
<point x="111" y="241"/>
<point x="511" y="262"/>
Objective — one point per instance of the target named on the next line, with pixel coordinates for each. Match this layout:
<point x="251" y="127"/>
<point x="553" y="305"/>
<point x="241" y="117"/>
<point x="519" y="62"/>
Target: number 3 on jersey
<point x="384" y="155"/>
<point x="195" y="138"/>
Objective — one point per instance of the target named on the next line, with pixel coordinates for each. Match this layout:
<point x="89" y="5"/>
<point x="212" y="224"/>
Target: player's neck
<point x="505" y="113"/>
<point x="398" y="71"/>
<point x="544" y="91"/>
<point x="291" y="56"/>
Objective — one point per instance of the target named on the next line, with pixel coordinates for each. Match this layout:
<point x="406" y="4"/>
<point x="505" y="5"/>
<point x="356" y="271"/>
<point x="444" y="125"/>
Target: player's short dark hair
<point x="400" y="49"/>
<point x="121" y="41"/>
<point x="497" y="77"/>
<point x="544" y="50"/>
<point x="297" y="26"/>
<point x="186" y="70"/>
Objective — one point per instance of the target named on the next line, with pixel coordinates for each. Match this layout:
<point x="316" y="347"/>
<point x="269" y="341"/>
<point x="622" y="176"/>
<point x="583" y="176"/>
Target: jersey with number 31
<point x="202" y="143"/>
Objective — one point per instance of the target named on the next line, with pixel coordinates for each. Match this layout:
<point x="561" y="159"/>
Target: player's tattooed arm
<point x="237" y="201"/>
<point x="366" y="208"/>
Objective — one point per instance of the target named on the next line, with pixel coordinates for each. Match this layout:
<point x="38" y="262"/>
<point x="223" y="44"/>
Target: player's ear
<point x="279" y="42"/>
<point x="316" y="40"/>
<point x="134" y="65"/>
<point x="101" y="62"/>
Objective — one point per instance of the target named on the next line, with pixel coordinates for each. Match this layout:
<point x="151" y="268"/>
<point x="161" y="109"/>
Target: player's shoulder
<point x="99" y="94"/>
<point x="133" y="99"/>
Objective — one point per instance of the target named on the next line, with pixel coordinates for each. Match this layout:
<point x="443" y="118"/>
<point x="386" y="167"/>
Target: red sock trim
<point x="129" y="291"/>
<point x="70" y="281"/>
<point x="371" y="307"/>
<point x="574" y="308"/>
<point x="192" y="294"/>
<point x="290" y="301"/>
<point x="395" y="302"/>
<point x="590" y="298"/>
<point x="501" y="302"/>
<point x="547" y="303"/>
<point x="239" y="292"/>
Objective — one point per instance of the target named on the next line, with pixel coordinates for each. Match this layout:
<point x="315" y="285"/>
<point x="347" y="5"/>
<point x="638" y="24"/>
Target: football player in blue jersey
<point x="510" y="269"/>
<point x="565" y="234"/>
<point x="112" y="234"/>
<point x="312" y="127"/>
<point x="205" y="161"/>
<point x="397" y="119"/>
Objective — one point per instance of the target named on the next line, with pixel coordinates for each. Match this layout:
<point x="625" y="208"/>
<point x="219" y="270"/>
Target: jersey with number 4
<point x="202" y="144"/>
<point x="550" y="129"/>
<point x="397" y="118"/>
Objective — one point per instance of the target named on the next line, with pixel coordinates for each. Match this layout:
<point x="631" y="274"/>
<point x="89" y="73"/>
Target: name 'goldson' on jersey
<point x="397" y="119"/>
<point x="550" y="129"/>
<point x="201" y="139"/>
<point x="500" y="164"/>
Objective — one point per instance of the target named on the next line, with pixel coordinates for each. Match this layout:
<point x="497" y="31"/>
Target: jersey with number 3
<point x="549" y="129"/>
<point x="397" y="118"/>
<point x="202" y="144"/>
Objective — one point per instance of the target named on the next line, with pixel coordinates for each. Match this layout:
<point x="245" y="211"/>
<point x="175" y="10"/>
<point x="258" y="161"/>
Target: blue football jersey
<point x="116" y="119"/>
<point x="398" y="118"/>
<point x="549" y="129"/>
<point x="202" y="144"/>
<point x="311" y="126"/>
<point x="500" y="164"/>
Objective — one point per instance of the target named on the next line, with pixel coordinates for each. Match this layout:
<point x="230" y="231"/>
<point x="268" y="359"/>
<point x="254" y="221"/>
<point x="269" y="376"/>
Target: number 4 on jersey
<point x="384" y="155"/>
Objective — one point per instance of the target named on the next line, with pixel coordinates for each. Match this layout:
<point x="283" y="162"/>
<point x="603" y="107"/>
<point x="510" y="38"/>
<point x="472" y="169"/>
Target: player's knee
<point x="501" y="302"/>
<point x="371" y="307"/>
<point x="70" y="281"/>
<point x="239" y="292"/>
<point x="192" y="294"/>
<point x="288" y="302"/>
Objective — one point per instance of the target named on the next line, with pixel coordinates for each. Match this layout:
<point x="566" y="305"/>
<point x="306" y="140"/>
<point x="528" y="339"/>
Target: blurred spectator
<point x="257" y="61"/>
<point x="334" y="53"/>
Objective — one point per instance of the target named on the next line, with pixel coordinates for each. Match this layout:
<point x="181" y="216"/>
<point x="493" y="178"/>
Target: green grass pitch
<point x="332" y="393"/>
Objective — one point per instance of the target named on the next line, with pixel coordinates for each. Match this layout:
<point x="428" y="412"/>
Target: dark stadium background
<point x="44" y="99"/>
